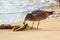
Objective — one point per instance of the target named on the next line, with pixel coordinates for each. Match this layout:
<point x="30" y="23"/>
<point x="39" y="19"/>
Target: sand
<point x="30" y="35"/>
<point x="49" y="29"/>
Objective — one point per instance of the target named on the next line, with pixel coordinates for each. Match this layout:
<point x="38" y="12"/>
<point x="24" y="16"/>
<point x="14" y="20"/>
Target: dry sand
<point x="30" y="35"/>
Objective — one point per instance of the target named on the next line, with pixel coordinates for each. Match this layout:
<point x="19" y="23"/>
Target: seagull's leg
<point x="48" y="17"/>
<point x="32" y="24"/>
<point x="38" y="25"/>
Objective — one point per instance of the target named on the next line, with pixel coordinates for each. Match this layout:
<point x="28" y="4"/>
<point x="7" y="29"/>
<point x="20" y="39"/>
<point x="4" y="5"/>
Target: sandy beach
<point x="49" y="29"/>
<point x="30" y="35"/>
